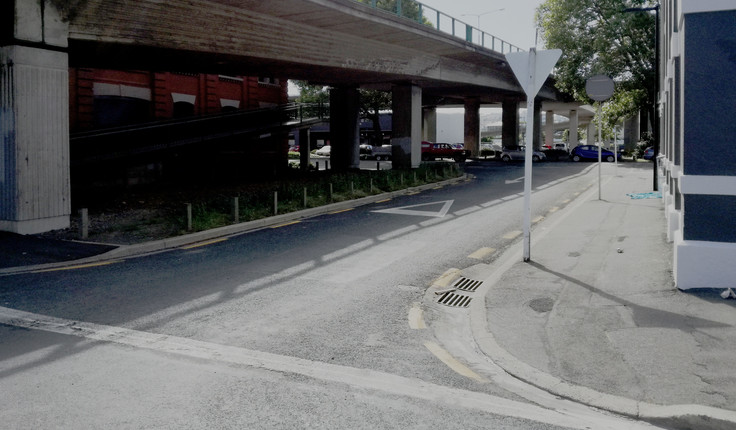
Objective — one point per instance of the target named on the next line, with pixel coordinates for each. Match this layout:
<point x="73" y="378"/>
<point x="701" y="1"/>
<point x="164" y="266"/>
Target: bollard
<point x="275" y="202"/>
<point x="415" y="177"/>
<point x="378" y="165"/>
<point x="371" y="185"/>
<point x="401" y="180"/>
<point x="189" y="216"/>
<point x="317" y="164"/>
<point x="236" y="211"/>
<point x="84" y="214"/>
<point x="330" y="191"/>
<point x="352" y="189"/>
<point x="305" y="197"/>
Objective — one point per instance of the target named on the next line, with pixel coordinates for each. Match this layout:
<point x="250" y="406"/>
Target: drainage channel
<point x="455" y="300"/>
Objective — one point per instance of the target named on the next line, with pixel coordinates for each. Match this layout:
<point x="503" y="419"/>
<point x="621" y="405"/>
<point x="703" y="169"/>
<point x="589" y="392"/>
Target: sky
<point x="514" y="24"/>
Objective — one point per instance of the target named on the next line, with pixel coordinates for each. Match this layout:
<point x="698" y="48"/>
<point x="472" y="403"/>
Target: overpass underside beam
<point x="34" y="122"/>
<point x="407" y="126"/>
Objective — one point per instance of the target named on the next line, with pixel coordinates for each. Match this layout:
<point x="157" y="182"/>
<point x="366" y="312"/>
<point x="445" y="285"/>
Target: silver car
<point x="519" y="153"/>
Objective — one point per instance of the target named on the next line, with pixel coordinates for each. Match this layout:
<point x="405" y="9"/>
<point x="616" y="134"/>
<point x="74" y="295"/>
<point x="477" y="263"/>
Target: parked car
<point x="519" y="153"/>
<point x="432" y="150"/>
<point x="648" y="154"/>
<point x="324" y="151"/>
<point x="590" y="152"/>
<point x="556" y="152"/>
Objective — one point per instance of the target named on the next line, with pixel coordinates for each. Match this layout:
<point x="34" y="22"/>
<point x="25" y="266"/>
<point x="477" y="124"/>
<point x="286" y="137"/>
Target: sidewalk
<point x="594" y="316"/>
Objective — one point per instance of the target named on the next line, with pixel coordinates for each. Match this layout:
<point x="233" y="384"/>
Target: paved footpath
<point x="594" y="316"/>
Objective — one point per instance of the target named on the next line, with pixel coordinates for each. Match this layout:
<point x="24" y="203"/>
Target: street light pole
<point x="478" y="15"/>
<point x="656" y="133"/>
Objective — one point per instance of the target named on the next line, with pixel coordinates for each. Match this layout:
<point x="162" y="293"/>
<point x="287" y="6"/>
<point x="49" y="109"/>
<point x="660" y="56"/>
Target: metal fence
<point x="427" y="15"/>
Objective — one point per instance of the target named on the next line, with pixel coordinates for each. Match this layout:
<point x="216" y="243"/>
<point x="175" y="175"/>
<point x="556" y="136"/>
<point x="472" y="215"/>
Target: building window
<point x="268" y="81"/>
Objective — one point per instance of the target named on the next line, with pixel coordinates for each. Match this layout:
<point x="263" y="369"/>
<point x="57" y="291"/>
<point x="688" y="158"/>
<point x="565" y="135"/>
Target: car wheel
<point x="575" y="158"/>
<point x="505" y="158"/>
<point x="535" y="157"/>
<point x="609" y="158"/>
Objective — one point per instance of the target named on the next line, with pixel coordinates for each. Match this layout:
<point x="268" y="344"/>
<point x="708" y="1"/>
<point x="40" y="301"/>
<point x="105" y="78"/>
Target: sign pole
<point x="600" y="145"/>
<point x="599" y="88"/>
<point x="528" y="162"/>
<point x="531" y="70"/>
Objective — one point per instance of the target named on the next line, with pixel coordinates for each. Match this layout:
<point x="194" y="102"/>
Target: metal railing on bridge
<point x="120" y="142"/>
<point x="427" y="15"/>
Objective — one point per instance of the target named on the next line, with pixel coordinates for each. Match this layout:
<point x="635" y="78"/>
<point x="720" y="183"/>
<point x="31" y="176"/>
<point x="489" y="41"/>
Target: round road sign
<point x="599" y="87"/>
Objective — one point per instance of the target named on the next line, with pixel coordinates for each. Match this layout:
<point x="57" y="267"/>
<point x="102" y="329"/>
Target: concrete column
<point x="631" y="132"/>
<point x="304" y="148"/>
<point x="573" y="134"/>
<point x="510" y="124"/>
<point x="407" y="126"/>
<point x="537" y="126"/>
<point x="34" y="120"/>
<point x="472" y="126"/>
<point x="549" y="128"/>
<point x="344" y="128"/>
<point x="591" y="133"/>
<point x="429" y="127"/>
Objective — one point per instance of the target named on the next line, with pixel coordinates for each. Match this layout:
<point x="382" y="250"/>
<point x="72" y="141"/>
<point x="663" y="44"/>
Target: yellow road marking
<point x="416" y="318"/>
<point x="285" y="224"/>
<point x="79" y="266"/>
<point x="447" y="277"/>
<point x="452" y="362"/>
<point x="553" y="209"/>
<point x="384" y="201"/>
<point x="512" y="234"/>
<point x="482" y="253"/>
<point x="339" y="212"/>
<point x="209" y="242"/>
<point x="537" y="219"/>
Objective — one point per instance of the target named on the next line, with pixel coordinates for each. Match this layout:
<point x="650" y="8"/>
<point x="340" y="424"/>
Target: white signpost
<point x="600" y="88"/>
<point x="531" y="70"/>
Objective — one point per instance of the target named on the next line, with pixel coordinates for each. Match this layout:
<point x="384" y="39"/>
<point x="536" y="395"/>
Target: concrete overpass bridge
<point x="341" y="43"/>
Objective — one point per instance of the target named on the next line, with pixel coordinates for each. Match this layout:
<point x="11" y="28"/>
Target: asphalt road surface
<point x="321" y="323"/>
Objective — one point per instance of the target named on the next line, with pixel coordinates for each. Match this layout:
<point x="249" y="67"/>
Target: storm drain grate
<point x="466" y="284"/>
<point x="455" y="300"/>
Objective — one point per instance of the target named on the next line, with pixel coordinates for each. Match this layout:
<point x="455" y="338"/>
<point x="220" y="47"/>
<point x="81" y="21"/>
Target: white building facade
<point x="698" y="139"/>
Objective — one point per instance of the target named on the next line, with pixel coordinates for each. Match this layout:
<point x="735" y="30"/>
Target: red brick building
<point x="104" y="98"/>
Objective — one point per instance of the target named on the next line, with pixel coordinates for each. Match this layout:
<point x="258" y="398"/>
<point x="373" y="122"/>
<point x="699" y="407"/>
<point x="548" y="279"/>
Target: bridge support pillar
<point x="549" y="128"/>
<point x="429" y="125"/>
<point x="472" y="126"/>
<point x="304" y="143"/>
<point x="537" y="138"/>
<point x="345" y="128"/>
<point x="34" y="119"/>
<point x="510" y="124"/>
<point x="407" y="126"/>
<point x="590" y="138"/>
<point x="573" y="134"/>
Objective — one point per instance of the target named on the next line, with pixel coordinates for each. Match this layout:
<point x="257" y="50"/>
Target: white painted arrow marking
<point x="514" y="181"/>
<point x="407" y="210"/>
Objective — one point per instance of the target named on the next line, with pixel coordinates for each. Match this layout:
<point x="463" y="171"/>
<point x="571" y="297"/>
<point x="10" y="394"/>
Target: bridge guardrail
<point x="427" y="15"/>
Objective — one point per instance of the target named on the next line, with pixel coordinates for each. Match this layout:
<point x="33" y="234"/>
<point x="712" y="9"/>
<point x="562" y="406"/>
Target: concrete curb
<point x="125" y="251"/>
<point x="686" y="416"/>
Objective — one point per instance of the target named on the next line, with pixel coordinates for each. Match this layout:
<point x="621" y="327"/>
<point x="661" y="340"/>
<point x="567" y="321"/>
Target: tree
<point x="372" y="102"/>
<point x="309" y="93"/>
<point x="407" y="8"/>
<point x="597" y="37"/>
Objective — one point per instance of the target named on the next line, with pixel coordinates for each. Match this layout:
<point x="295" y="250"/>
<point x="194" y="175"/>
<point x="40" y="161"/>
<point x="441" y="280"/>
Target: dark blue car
<point x="590" y="152"/>
<point x="648" y="153"/>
